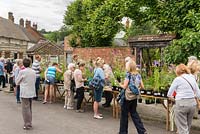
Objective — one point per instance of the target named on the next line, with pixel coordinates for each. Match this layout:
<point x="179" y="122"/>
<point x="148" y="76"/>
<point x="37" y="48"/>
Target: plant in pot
<point x="118" y="77"/>
<point x="89" y="73"/>
<point x="115" y="84"/>
<point x="148" y="83"/>
<point x="157" y="82"/>
<point x="166" y="80"/>
<point x="59" y="76"/>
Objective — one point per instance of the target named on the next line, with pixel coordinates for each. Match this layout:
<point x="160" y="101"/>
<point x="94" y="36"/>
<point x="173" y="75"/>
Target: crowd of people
<point x="26" y="76"/>
<point x="6" y="67"/>
<point x="184" y="91"/>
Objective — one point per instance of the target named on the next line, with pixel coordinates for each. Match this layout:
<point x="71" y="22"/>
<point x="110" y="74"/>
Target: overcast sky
<point x="48" y="14"/>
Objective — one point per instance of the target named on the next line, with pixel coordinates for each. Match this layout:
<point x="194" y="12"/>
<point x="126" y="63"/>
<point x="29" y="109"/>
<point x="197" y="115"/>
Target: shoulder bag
<point x="132" y="91"/>
<point x="197" y="100"/>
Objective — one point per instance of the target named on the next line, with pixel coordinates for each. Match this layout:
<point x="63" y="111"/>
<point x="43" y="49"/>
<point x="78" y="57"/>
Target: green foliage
<point x="58" y="35"/>
<point x="181" y="18"/>
<point x="96" y="22"/>
<point x="148" y="83"/>
<point x="60" y="76"/>
<point x="157" y="81"/>
<point x="166" y="78"/>
<point x="118" y="68"/>
<point x="161" y="79"/>
<point x="146" y="28"/>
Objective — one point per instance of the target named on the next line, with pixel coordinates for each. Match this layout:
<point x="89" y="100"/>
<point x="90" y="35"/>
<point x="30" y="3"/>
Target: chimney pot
<point x="21" y="22"/>
<point x="35" y="26"/>
<point x="28" y="23"/>
<point x="10" y="16"/>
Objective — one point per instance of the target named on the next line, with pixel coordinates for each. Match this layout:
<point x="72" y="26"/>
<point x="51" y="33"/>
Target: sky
<point x="48" y="14"/>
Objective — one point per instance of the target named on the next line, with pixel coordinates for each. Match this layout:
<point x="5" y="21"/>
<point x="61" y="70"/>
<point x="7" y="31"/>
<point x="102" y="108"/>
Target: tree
<point x="146" y="28"/>
<point x="59" y="35"/>
<point x="96" y="22"/>
<point x="181" y="18"/>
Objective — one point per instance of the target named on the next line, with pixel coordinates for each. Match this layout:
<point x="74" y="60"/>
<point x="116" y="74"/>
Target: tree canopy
<point x="96" y="22"/>
<point x="58" y="35"/>
<point x="181" y="18"/>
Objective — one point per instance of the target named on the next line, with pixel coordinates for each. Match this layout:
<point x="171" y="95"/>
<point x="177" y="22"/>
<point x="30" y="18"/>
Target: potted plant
<point x="166" y="80"/>
<point x="157" y="81"/>
<point x="59" y="76"/>
<point x="88" y="74"/>
<point x="148" y="83"/>
<point x="115" y="84"/>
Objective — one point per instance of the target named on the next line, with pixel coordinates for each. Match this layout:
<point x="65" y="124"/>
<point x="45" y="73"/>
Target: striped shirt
<point x="51" y="71"/>
<point x="36" y="68"/>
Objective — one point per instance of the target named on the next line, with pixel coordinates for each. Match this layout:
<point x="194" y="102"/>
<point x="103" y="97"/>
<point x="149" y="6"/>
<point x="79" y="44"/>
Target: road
<point x="53" y="119"/>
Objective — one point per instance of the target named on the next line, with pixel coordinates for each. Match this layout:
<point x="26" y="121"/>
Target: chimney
<point x="35" y="26"/>
<point x="28" y="24"/>
<point x="21" y="22"/>
<point x="10" y="16"/>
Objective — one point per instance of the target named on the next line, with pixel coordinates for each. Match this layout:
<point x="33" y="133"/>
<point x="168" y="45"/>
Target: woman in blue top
<point x="50" y="75"/>
<point x="98" y="92"/>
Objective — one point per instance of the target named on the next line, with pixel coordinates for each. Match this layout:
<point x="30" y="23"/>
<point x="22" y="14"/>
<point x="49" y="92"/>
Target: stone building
<point x="15" y="39"/>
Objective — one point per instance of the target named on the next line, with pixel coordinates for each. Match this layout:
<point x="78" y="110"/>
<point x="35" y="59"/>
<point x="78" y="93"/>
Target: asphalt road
<point x="53" y="119"/>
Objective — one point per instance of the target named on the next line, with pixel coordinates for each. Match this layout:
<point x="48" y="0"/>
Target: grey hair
<point x="71" y="65"/>
<point x="127" y="59"/>
<point x="192" y="58"/>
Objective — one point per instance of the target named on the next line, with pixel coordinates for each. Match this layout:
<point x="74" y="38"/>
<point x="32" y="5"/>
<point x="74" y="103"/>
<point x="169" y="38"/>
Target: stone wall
<point x="10" y="46"/>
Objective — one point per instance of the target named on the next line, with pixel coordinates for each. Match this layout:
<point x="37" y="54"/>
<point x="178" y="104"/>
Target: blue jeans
<point x="130" y="106"/>
<point x="18" y="93"/>
<point x="37" y="86"/>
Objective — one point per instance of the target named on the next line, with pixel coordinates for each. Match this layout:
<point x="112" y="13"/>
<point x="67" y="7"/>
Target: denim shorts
<point x="98" y="94"/>
<point x="50" y="80"/>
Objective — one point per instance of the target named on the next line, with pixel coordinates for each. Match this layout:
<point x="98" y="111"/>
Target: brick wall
<point x="109" y="54"/>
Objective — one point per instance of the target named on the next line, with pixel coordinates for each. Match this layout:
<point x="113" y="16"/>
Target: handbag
<point x="197" y="100"/>
<point x="97" y="82"/>
<point x="132" y="85"/>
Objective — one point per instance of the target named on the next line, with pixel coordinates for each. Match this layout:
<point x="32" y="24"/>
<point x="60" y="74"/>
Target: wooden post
<point x="65" y="60"/>
<point x="167" y="116"/>
<point x="141" y="51"/>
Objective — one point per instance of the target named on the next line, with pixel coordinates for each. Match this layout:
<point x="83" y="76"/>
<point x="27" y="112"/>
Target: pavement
<point x="156" y="112"/>
<point x="53" y="119"/>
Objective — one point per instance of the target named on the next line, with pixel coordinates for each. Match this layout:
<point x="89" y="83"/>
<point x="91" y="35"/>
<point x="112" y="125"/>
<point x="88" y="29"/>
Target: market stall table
<point x="57" y="89"/>
<point x="116" y="105"/>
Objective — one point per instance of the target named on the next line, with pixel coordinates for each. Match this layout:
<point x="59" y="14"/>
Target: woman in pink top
<point x="79" y="81"/>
